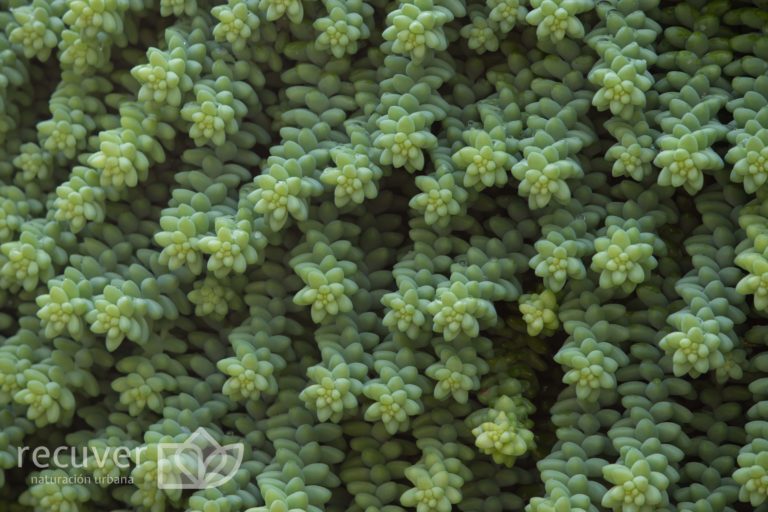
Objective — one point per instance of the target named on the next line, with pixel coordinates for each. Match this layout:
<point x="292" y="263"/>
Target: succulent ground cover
<point x="424" y="255"/>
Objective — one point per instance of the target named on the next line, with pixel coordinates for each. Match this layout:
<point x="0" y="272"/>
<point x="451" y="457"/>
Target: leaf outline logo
<point x="197" y="463"/>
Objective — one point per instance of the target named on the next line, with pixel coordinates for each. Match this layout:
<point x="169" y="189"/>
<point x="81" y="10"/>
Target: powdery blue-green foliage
<point x="430" y="255"/>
